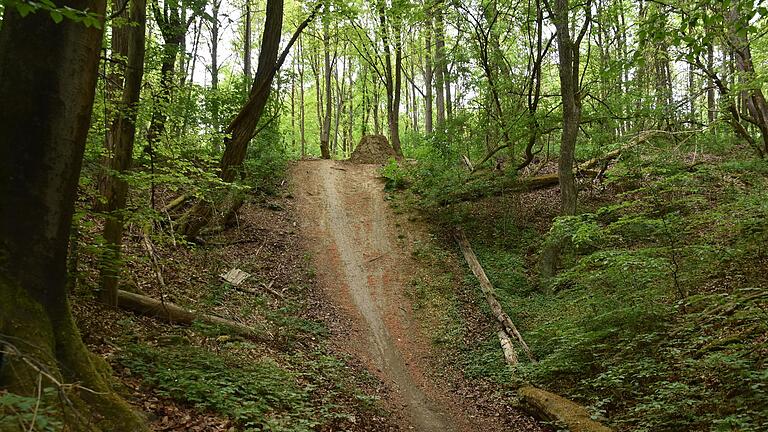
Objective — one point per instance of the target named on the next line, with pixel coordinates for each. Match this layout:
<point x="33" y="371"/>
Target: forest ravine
<point x="362" y="258"/>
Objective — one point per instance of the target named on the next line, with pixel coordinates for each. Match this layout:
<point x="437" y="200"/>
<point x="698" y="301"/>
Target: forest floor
<point x="345" y="342"/>
<point x="363" y="253"/>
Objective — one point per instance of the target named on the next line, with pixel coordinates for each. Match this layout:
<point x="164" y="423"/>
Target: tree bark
<point x="174" y="313"/>
<point x="173" y="30"/>
<point x="113" y="87"/>
<point x="243" y="127"/>
<point x="325" y="130"/>
<point x="47" y="85"/>
<point x="247" y="45"/>
<point x="439" y="65"/>
<point x="428" y="75"/>
<point x="569" y="68"/>
<point x="124" y="131"/>
<point x="488" y="291"/>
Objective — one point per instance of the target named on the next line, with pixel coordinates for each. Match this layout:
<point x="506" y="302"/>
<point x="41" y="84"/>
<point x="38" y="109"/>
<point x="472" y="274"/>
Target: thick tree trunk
<point x="47" y="85"/>
<point x="124" y="131"/>
<point x="755" y="107"/>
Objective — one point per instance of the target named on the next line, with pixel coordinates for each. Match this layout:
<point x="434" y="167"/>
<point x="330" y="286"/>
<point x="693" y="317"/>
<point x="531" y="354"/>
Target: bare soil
<point x="364" y="261"/>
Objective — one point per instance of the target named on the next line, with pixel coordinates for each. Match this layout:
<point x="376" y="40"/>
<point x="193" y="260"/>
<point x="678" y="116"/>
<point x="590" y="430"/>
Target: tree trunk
<point x="247" y="45"/>
<point x="711" y="104"/>
<point x="113" y="86"/>
<point x="241" y="130"/>
<point x="428" y="84"/>
<point x="174" y="313"/>
<point x="392" y="79"/>
<point x="47" y="85"/>
<point x="124" y="131"/>
<point x="302" y="112"/>
<point x="215" y="121"/>
<point x="325" y="131"/>
<point x="755" y="106"/>
<point x="569" y="54"/>
<point x="440" y="65"/>
<point x="173" y="32"/>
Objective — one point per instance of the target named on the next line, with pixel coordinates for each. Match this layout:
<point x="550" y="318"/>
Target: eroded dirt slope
<point x="363" y="262"/>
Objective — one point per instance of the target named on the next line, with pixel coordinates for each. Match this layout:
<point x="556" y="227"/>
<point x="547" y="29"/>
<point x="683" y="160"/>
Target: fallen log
<point x="181" y="199"/>
<point x="173" y="313"/>
<point x="551" y="407"/>
<point x="485" y="285"/>
<point x="510" y="355"/>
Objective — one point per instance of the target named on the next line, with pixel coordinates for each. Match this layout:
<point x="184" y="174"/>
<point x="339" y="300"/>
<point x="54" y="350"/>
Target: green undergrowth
<point x="298" y="392"/>
<point x="292" y="383"/>
<point x="657" y="315"/>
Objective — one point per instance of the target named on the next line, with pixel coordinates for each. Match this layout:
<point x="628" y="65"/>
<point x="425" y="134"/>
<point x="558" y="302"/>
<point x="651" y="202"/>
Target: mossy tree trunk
<point x="47" y="86"/>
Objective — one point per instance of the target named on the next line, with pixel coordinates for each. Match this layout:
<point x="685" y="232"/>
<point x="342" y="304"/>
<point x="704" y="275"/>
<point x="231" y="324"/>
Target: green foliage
<point x="258" y="395"/>
<point x="395" y="176"/>
<point x="58" y="14"/>
<point x="30" y="413"/>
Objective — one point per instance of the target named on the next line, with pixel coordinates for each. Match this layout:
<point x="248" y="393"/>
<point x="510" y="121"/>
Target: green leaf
<point x="56" y="16"/>
<point x="24" y="9"/>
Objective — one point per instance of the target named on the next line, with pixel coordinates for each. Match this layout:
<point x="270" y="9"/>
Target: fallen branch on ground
<point x="551" y="407"/>
<point x="485" y="284"/>
<point x="173" y="313"/>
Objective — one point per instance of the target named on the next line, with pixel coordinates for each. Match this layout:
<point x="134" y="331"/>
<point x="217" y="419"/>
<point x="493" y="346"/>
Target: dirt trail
<point x="363" y="264"/>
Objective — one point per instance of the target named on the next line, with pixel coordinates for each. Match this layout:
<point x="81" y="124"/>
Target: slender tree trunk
<point x="124" y="131"/>
<point x="711" y="103"/>
<point x="173" y="31"/>
<point x="392" y="78"/>
<point x="293" y="103"/>
<point x="302" y="112"/>
<point x="376" y="110"/>
<point x="112" y="92"/>
<point x="414" y="99"/>
<point x="326" y="129"/>
<point x="241" y="129"/>
<point x="754" y="101"/>
<point x="569" y="56"/>
<point x="47" y="86"/>
<point x="440" y="65"/>
<point x="428" y="84"/>
<point x="215" y="120"/>
<point x="247" y="68"/>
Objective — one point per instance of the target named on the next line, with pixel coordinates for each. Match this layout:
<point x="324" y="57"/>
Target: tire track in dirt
<point x="347" y="227"/>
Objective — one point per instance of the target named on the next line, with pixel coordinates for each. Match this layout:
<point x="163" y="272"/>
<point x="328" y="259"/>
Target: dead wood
<point x="173" y="313"/>
<point x="551" y="407"/>
<point x="485" y="284"/>
<point x="506" y="346"/>
<point x="176" y="202"/>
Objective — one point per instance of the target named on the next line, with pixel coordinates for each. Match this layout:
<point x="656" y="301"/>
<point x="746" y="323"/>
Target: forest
<point x="389" y="215"/>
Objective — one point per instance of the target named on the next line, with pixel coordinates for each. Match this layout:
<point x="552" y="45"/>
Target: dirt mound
<point x="373" y="149"/>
